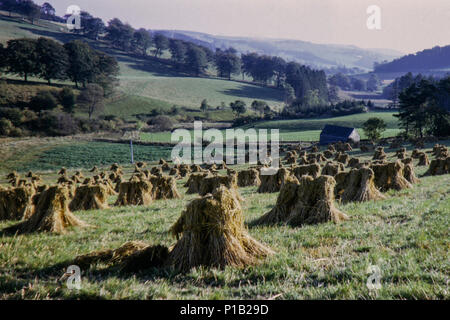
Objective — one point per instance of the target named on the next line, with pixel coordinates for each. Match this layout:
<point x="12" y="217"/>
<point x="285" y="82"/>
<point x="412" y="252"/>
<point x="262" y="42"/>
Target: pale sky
<point x="406" y="25"/>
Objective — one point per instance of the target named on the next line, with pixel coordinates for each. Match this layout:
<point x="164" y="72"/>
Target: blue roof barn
<point x="332" y="134"/>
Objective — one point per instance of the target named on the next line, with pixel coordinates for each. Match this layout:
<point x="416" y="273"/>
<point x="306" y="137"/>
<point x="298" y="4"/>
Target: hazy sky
<point x="406" y="25"/>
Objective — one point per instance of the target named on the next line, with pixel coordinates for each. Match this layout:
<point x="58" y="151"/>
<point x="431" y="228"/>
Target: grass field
<point x="405" y="235"/>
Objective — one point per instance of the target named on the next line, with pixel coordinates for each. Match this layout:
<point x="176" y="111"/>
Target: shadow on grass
<point x="254" y="92"/>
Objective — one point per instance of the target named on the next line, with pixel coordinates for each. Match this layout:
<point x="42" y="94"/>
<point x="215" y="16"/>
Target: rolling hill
<point x="148" y="83"/>
<point x="436" y="59"/>
<point x="314" y="55"/>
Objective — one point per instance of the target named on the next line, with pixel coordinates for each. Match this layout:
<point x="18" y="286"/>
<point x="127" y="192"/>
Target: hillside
<point x="315" y="55"/>
<point x="434" y="59"/>
<point x="148" y="83"/>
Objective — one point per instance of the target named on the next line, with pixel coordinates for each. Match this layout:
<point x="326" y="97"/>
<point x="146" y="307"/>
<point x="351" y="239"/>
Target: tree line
<point x="345" y="82"/>
<point x="424" y="108"/>
<point x="49" y="60"/>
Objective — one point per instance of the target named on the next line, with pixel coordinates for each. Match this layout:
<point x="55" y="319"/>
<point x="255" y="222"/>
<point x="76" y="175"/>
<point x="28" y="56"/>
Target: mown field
<point x="406" y="235"/>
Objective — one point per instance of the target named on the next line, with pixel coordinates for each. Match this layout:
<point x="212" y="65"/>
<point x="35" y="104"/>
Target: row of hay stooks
<point x="211" y="230"/>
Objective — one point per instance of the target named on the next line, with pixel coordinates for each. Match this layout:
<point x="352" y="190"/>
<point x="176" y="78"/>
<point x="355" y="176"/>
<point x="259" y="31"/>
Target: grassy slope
<point x="405" y="235"/>
<point x="148" y="84"/>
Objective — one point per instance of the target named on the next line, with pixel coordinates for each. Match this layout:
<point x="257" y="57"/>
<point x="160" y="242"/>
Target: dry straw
<point x="305" y="201"/>
<point x="132" y="256"/>
<point x="194" y="182"/>
<point x="423" y="159"/>
<point x="379" y="154"/>
<point x="136" y="192"/>
<point x="332" y="169"/>
<point x="51" y="213"/>
<point x="249" y="177"/>
<point x="312" y="170"/>
<point x="211" y="233"/>
<point x="390" y="176"/>
<point x="273" y="182"/>
<point x="164" y="187"/>
<point x="209" y="184"/>
<point x="439" y="166"/>
<point x="16" y="203"/>
<point x="357" y="185"/>
<point x="90" y="197"/>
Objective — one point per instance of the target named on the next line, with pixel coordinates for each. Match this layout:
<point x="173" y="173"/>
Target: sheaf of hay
<point x="110" y="188"/>
<point x="302" y="160"/>
<point x="164" y="187"/>
<point x="357" y="185"/>
<point x="401" y="153"/>
<point x="440" y="151"/>
<point x="291" y="154"/>
<point x="51" y="213"/>
<point x="305" y="201"/>
<point x="291" y="159"/>
<point x="90" y="197"/>
<point x="408" y="171"/>
<point x="117" y="256"/>
<point x="249" y="177"/>
<point x="273" y="183"/>
<point x="439" y="166"/>
<point x="423" y="159"/>
<point x="328" y="154"/>
<point x="16" y="203"/>
<point x="209" y="184"/>
<point x="390" y="176"/>
<point x="175" y="172"/>
<point x="342" y="147"/>
<point x="342" y="158"/>
<point x="137" y="193"/>
<point x="332" y="169"/>
<point x="379" y="154"/>
<point x="156" y="171"/>
<point x="184" y="170"/>
<point x="211" y="233"/>
<point x="312" y="170"/>
<point x="353" y="162"/>
<point x="194" y="181"/>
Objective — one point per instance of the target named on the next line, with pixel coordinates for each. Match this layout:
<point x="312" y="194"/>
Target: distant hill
<point x="314" y="55"/>
<point x="435" y="59"/>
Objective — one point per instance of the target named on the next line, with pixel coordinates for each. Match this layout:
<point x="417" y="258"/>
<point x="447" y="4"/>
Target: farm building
<point x="331" y="134"/>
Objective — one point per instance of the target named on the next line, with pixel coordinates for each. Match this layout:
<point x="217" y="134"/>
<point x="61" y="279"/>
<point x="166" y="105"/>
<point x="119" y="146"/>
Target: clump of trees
<point x="424" y="108"/>
<point x="26" y="8"/>
<point x="349" y="83"/>
<point x="49" y="60"/>
<point x="346" y="107"/>
<point x="374" y="128"/>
